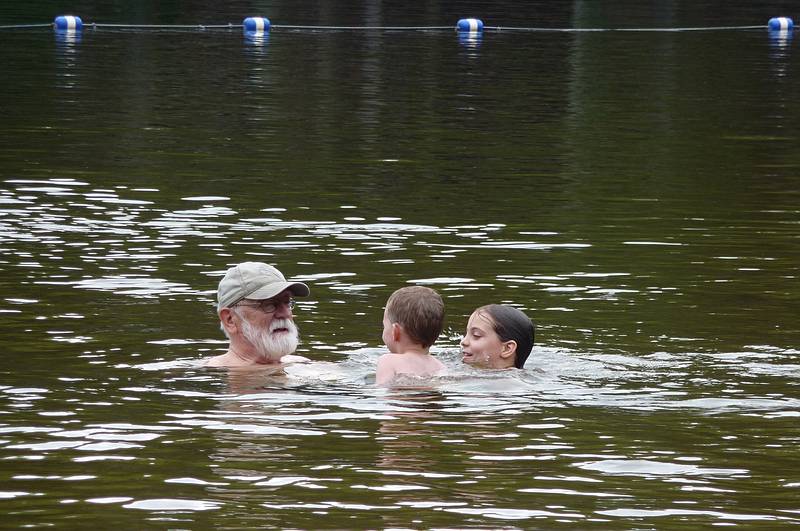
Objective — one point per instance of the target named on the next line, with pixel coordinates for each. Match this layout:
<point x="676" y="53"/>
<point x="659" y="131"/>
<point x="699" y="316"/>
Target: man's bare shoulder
<point x="217" y="361"/>
<point x="227" y="360"/>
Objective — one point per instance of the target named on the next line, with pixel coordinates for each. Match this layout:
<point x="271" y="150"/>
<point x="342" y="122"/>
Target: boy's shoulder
<point x="407" y="358"/>
<point x="390" y="357"/>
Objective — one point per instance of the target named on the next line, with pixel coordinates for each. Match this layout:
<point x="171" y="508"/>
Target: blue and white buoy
<point x="780" y="24"/>
<point x="68" y="23"/>
<point x="256" y="25"/>
<point x="469" y="25"/>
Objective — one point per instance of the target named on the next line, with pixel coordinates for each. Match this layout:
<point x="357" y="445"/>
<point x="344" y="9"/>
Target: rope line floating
<point x="638" y="30"/>
<point x="73" y="23"/>
<point x="366" y="28"/>
<point x="163" y="26"/>
<point x="25" y="26"/>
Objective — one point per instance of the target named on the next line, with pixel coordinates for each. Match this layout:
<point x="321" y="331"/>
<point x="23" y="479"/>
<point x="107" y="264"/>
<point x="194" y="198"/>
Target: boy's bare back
<point x="412" y="321"/>
<point x="392" y="365"/>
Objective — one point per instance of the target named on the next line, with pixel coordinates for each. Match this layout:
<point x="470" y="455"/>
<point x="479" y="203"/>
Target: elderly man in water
<point x="254" y="303"/>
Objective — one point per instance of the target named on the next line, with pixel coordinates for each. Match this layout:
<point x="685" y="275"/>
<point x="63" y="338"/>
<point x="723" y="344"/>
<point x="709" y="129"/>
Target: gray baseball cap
<point x="254" y="280"/>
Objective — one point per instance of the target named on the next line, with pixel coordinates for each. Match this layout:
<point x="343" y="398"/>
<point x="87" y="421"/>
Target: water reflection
<point x="67" y="41"/>
<point x="406" y="430"/>
<point x="470" y="40"/>
<point x="67" y="52"/>
<point x="646" y="219"/>
<point x="256" y="43"/>
<point x="477" y="443"/>
<point x="780" y="53"/>
<point x="781" y="38"/>
<point x="127" y="241"/>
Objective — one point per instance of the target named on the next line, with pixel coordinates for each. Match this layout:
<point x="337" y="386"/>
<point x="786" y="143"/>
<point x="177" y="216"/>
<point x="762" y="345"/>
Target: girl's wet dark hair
<point x="512" y="324"/>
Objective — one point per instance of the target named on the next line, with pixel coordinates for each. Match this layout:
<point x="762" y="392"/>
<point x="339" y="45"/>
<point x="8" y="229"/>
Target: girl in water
<point x="497" y="337"/>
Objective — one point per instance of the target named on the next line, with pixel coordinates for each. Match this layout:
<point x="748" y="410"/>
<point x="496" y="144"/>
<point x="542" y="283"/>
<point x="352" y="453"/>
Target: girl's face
<point x="482" y="347"/>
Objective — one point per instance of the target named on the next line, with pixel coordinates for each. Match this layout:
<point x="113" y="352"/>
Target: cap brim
<point x="298" y="289"/>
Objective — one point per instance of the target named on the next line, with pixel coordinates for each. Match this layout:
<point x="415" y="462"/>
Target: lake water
<point x="635" y="192"/>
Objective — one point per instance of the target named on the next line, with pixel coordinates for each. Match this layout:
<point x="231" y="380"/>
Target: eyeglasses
<point x="268" y="305"/>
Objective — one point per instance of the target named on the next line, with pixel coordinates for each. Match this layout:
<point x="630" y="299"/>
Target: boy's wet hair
<point x="419" y="310"/>
<point x="510" y="323"/>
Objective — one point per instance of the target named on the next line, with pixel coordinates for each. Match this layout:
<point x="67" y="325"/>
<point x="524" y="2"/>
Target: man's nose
<point x="283" y="311"/>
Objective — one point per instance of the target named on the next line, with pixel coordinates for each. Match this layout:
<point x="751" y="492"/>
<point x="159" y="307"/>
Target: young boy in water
<point x="412" y="321"/>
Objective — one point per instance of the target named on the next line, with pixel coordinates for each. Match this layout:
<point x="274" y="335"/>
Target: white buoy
<point x="68" y="23"/>
<point x="469" y="25"/>
<point x="780" y="24"/>
<point x="256" y="24"/>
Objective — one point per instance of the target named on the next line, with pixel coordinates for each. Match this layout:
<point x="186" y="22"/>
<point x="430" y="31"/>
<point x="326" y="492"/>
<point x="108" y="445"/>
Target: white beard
<point x="269" y="346"/>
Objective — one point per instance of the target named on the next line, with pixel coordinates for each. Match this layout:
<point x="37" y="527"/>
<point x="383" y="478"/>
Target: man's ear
<point x="509" y="349"/>
<point x="226" y="318"/>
